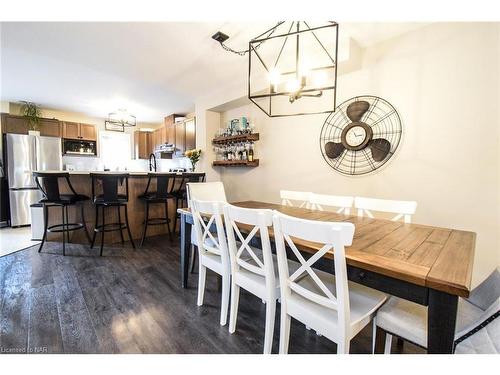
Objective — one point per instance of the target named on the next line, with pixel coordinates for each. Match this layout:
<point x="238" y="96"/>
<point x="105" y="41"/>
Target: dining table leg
<point x="185" y="246"/>
<point x="442" y="317"/>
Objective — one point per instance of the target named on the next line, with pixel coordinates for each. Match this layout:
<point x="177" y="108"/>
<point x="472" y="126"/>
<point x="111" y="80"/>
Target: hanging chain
<point x="244" y="52"/>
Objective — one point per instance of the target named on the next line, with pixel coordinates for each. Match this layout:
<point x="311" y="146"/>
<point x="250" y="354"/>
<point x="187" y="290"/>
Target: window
<point x="115" y="150"/>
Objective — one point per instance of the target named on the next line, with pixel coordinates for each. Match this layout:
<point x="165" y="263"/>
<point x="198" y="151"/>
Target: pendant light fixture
<point x="119" y="120"/>
<point x="292" y="69"/>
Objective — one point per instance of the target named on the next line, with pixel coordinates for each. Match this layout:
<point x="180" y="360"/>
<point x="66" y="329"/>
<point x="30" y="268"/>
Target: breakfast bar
<point x="136" y="208"/>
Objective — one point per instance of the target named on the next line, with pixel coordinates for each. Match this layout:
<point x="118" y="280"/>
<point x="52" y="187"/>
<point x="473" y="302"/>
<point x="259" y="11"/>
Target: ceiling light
<point x="119" y="120"/>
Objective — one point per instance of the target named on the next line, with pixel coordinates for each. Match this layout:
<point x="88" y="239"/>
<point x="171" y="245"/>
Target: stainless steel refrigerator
<point x="25" y="154"/>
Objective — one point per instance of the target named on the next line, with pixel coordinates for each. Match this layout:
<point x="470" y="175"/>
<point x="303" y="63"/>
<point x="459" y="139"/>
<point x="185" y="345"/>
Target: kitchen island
<point x="82" y="183"/>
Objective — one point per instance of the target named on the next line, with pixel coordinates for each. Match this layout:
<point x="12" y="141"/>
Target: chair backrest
<point x="110" y="184"/>
<point x="206" y="191"/>
<point x="165" y="183"/>
<point x="253" y="222"/>
<point x="403" y="209"/>
<point x="287" y="196"/>
<point x="333" y="236"/>
<point x="48" y="184"/>
<point x="207" y="214"/>
<point x="486" y="293"/>
<point x="342" y="202"/>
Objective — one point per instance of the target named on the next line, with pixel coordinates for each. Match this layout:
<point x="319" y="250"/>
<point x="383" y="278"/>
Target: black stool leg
<point x="175" y="216"/>
<point x="128" y="227"/>
<point x="168" y="221"/>
<point x="146" y="220"/>
<point x="103" y="227"/>
<point x="95" y="226"/>
<point x="64" y="230"/>
<point x="120" y="221"/>
<point x="85" y="224"/>
<point x="67" y="224"/>
<point x="45" y="225"/>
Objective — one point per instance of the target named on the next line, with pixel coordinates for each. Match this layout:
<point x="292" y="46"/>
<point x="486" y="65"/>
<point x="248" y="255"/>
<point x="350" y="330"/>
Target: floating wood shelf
<point x="235" y="163"/>
<point x="236" y="138"/>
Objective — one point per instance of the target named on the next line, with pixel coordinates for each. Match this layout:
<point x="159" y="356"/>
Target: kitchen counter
<point x="138" y="181"/>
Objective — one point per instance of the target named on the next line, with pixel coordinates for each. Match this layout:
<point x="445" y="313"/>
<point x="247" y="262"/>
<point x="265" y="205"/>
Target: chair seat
<point x="67" y="199"/>
<point x="153" y="198"/>
<point x="409" y="320"/>
<point x="256" y="284"/>
<point x="364" y="303"/>
<point x="120" y="199"/>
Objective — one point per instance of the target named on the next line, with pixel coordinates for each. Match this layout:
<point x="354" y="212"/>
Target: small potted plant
<point x="32" y="113"/>
<point x="194" y="157"/>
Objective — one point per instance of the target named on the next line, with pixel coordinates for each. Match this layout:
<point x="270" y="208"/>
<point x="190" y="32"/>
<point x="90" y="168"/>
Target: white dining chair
<point x="341" y="202"/>
<point x="253" y="269"/>
<point x="203" y="191"/>
<point x="301" y="197"/>
<point x="408" y="320"/>
<point x="212" y="249"/>
<point x="328" y="303"/>
<point x="403" y="209"/>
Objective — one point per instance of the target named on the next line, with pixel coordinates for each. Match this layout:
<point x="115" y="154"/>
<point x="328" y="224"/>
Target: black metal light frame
<point x="255" y="43"/>
<point x="119" y="126"/>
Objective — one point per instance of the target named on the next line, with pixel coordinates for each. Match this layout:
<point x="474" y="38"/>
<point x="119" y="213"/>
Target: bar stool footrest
<point x="158" y="220"/>
<point x="64" y="227"/>
<point x="110" y="227"/>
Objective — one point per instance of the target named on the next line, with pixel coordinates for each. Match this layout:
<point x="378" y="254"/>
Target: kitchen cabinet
<point x="190" y="127"/>
<point x="50" y="128"/>
<point x="76" y="130"/>
<point x="143" y="144"/>
<point x="19" y="125"/>
<point x="180" y="138"/>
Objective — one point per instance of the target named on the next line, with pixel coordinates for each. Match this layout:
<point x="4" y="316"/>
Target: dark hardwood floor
<point x="130" y="301"/>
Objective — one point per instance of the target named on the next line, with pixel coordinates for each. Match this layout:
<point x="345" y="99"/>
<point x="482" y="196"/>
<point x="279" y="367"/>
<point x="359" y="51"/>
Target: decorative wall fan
<point x="361" y="135"/>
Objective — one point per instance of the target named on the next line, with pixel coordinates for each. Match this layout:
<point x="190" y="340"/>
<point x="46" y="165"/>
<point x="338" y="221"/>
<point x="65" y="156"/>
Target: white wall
<point x="443" y="80"/>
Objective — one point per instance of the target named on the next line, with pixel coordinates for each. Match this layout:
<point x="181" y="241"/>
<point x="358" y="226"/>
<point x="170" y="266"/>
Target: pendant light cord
<point x="244" y="52"/>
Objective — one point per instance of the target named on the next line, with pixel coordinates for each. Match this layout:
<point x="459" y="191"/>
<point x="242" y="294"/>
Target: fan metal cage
<point x="385" y="123"/>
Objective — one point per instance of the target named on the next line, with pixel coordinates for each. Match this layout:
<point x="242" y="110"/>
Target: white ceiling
<point x="151" y="69"/>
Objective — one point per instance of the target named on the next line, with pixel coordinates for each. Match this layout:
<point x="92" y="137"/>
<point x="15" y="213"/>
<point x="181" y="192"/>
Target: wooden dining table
<point x="428" y="265"/>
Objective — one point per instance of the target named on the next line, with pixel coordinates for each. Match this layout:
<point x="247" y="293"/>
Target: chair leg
<point x="146" y="219"/>
<point x="67" y="224"/>
<point x="202" y="275"/>
<point x="226" y="289"/>
<point x="374" y="334"/>
<point x="128" y="227"/>
<point x="95" y="226"/>
<point x="233" y="312"/>
<point x="388" y="343"/>
<point x="64" y="230"/>
<point x="343" y="346"/>
<point x="45" y="225"/>
<point x="193" y="258"/>
<point x="175" y="216"/>
<point x="268" y="335"/>
<point x="120" y="221"/>
<point x="103" y="227"/>
<point x="84" y="223"/>
<point x="284" y="331"/>
<point x="168" y="222"/>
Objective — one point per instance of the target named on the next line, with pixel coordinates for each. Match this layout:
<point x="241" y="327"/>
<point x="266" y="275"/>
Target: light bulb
<point x="274" y="78"/>
<point x="293" y="85"/>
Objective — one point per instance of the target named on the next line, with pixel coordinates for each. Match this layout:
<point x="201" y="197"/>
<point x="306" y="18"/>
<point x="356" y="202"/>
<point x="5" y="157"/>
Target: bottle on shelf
<point x="250" y="152"/>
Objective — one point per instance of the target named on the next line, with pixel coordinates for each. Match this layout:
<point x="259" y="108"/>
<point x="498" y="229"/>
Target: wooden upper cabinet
<point x="88" y="132"/>
<point x="180" y="138"/>
<point x="76" y="130"/>
<point x="20" y="125"/>
<point x="190" y="128"/>
<point x="14" y="124"/>
<point x="142" y="144"/>
<point x="71" y="130"/>
<point x="50" y="128"/>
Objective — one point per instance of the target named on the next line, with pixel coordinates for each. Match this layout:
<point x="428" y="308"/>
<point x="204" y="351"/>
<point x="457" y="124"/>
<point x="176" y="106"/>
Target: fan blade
<point x="356" y="110"/>
<point x="379" y="147"/>
<point x="334" y="150"/>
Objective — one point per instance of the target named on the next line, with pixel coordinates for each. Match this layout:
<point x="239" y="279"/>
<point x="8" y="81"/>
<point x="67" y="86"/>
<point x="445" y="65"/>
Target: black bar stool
<point x="165" y="183"/>
<point x="48" y="183"/>
<point x="180" y="192"/>
<point x="111" y="196"/>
